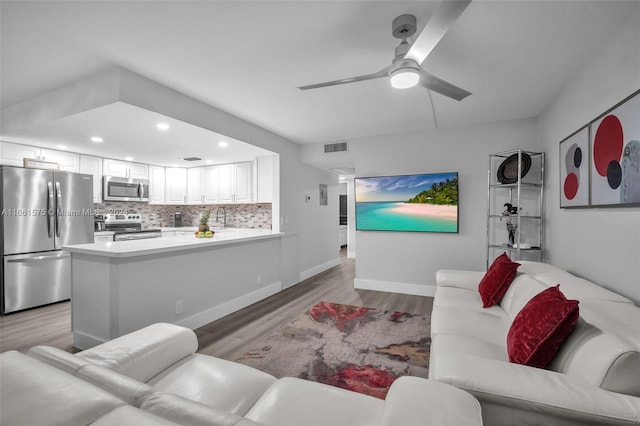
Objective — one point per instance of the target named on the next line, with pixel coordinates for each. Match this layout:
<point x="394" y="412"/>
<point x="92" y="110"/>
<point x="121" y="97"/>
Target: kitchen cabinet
<point x="203" y="185"/>
<point x="125" y="169"/>
<point x="93" y="166"/>
<point x="194" y="185"/>
<point x="515" y="206"/>
<point x="236" y="183"/>
<point x="175" y="185"/>
<point x="13" y="154"/>
<point x="156" y="185"/>
<point x="67" y="161"/>
<point x="264" y="181"/>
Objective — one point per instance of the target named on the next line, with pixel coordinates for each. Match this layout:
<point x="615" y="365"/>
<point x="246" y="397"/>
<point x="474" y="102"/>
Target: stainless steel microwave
<point x="124" y="189"/>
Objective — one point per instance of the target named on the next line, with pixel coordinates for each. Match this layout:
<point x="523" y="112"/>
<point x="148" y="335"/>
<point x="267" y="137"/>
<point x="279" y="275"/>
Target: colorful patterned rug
<point x="356" y="348"/>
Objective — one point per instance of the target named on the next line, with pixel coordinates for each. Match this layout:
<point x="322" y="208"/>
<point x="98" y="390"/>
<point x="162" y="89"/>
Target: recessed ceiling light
<point x="162" y="126"/>
<point x="223" y="144"/>
<point x="128" y="158"/>
<point x="209" y="161"/>
<point x="62" y="147"/>
<point x="97" y="139"/>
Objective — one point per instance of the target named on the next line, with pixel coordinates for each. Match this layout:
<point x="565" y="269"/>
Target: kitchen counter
<point x="121" y="286"/>
<point x="151" y="246"/>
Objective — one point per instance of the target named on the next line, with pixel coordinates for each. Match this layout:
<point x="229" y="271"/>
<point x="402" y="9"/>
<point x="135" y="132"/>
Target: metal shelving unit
<point x="515" y="178"/>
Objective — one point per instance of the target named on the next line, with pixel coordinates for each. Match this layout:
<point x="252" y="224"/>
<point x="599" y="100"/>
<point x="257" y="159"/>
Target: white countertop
<point x="168" y="244"/>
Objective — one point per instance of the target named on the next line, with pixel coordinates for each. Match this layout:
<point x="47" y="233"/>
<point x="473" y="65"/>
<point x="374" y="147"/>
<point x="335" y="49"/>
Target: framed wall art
<point x="415" y="203"/>
<point x="574" y="169"/>
<point x="615" y="155"/>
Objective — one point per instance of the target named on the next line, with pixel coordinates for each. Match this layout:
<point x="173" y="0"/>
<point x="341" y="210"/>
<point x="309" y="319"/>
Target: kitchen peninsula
<point x="121" y="286"/>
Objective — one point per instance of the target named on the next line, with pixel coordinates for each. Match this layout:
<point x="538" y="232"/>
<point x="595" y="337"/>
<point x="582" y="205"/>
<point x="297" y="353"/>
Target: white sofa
<point x="154" y="377"/>
<point x="594" y="379"/>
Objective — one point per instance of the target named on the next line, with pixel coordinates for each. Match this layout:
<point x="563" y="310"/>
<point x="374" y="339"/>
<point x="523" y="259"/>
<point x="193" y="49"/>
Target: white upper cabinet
<point x="93" y="166"/>
<point x="194" y="185"/>
<point x="67" y="161"/>
<point x="125" y="169"/>
<point x="175" y="185"/>
<point x="264" y="181"/>
<point x="13" y="154"/>
<point x="211" y="184"/>
<point x="203" y="185"/>
<point x="156" y="185"/>
<point x="244" y="182"/>
<point x="226" y="181"/>
<point x="236" y="183"/>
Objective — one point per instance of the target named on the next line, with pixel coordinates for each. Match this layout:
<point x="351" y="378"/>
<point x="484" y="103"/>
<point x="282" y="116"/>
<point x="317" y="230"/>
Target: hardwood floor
<point x="233" y="335"/>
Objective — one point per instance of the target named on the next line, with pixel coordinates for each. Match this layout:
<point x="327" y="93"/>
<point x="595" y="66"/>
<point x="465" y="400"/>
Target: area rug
<point x="351" y="347"/>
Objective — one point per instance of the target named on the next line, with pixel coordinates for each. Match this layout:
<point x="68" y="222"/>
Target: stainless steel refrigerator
<point x="41" y="211"/>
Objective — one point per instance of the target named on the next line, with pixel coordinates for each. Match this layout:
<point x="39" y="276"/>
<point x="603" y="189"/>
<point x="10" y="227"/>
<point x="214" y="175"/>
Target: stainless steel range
<point x="128" y="227"/>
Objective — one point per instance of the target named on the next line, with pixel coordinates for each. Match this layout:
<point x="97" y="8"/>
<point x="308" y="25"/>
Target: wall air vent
<point x="192" y="159"/>
<point x="335" y="147"/>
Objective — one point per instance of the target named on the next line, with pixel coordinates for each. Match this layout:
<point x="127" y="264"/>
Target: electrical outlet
<point x="179" y="307"/>
<point x="258" y="279"/>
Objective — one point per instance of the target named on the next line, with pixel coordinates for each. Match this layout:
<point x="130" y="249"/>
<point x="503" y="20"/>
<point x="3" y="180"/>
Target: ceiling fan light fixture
<point x="404" y="78"/>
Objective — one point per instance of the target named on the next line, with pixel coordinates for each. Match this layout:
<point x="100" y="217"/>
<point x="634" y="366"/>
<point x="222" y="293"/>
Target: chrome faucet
<point x="224" y="216"/>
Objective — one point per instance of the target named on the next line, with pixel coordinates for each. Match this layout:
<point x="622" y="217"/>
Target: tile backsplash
<point x="160" y="215"/>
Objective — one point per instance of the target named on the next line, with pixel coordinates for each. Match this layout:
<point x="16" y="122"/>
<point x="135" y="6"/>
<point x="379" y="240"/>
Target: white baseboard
<point x="229" y="307"/>
<point x="319" y="268"/>
<point x="395" y="287"/>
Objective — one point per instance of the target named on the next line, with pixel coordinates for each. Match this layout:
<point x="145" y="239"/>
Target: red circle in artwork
<point x="607" y="145"/>
<point x="571" y="186"/>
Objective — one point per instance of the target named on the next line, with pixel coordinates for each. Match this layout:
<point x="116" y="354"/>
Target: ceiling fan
<point x="405" y="70"/>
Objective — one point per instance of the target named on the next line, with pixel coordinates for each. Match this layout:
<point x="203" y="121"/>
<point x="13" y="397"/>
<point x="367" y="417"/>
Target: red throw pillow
<point x="541" y="327"/>
<point x="496" y="281"/>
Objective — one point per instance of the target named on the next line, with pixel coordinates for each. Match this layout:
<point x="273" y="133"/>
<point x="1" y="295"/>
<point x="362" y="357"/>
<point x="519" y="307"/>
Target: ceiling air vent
<point x="335" y="147"/>
<point x="192" y="159"/>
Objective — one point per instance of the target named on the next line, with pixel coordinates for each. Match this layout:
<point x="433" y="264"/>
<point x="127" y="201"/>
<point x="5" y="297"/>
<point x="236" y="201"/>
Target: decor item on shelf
<point x="421" y="203"/>
<point x="574" y="170"/>
<point x="615" y="155"/>
<point x="508" y="170"/>
<point x="510" y="209"/>
<point x="352" y="347"/>
<point x="511" y="229"/>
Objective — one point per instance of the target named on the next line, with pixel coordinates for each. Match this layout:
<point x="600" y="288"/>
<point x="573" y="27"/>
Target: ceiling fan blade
<point x="382" y="73"/>
<point x="444" y="17"/>
<point x="438" y="85"/>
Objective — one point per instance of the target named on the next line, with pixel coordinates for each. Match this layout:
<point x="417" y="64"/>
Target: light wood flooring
<point x="233" y="335"/>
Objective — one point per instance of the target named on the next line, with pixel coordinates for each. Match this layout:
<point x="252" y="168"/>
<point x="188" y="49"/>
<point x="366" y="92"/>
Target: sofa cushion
<point x="144" y="353"/>
<point x="460" y="279"/>
<point x="541" y="327"/>
<point x="497" y="279"/>
<point x="599" y="357"/>
<point x="221" y="384"/>
<point x="187" y="412"/>
<point x="522" y="289"/>
<point x="416" y="401"/>
<point x="34" y="393"/>
<point x="297" y="402"/>
<point x="128" y="415"/>
<point x="487" y="326"/>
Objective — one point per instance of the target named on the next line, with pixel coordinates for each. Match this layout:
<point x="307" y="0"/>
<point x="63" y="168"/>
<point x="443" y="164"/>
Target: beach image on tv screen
<point x="423" y="203"/>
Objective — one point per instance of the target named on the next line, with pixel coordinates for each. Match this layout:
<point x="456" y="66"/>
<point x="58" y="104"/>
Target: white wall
<point x="600" y="244"/>
<point x="407" y="262"/>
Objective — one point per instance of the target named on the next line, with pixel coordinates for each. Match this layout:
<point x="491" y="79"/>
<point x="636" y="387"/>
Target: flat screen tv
<point x="413" y="203"/>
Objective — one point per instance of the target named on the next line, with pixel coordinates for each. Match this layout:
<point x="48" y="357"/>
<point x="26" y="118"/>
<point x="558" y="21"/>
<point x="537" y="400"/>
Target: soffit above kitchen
<point x="73" y="115"/>
<point x="248" y="57"/>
